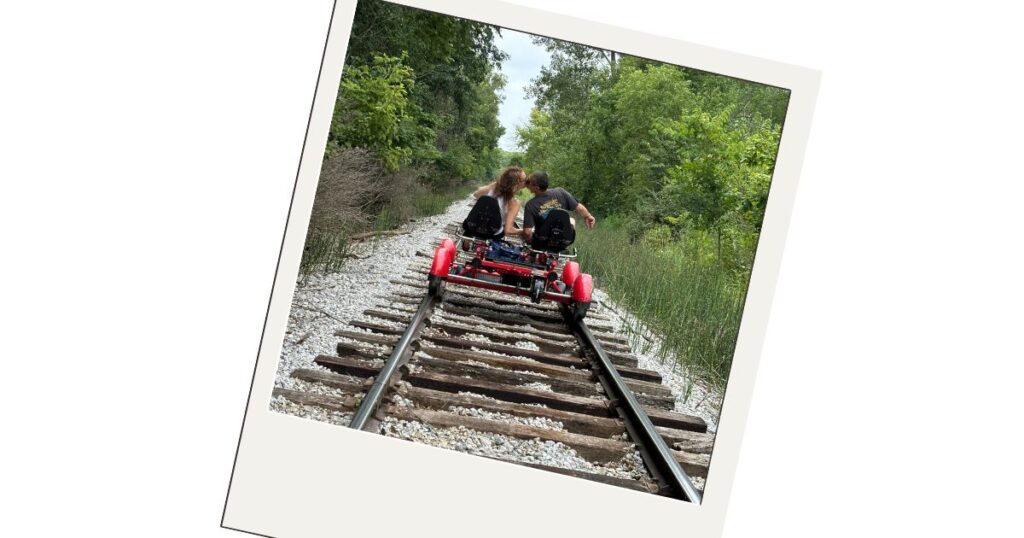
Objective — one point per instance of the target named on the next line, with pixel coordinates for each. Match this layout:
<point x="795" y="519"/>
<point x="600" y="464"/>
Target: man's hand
<point x="587" y="217"/>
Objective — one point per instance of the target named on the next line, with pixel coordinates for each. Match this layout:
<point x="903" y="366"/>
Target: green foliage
<point x="642" y="100"/>
<point x="416" y="119"/>
<point x="658" y="238"/>
<point x="372" y="105"/>
<point x="720" y="183"/>
<point x="469" y="149"/>
<point x="665" y="145"/>
<point x="511" y="158"/>
<point x="749" y="103"/>
<point x="681" y="160"/>
<point x="449" y="55"/>
<point x="458" y="161"/>
<point x="606" y="146"/>
<point x="703" y="182"/>
<point x="450" y="123"/>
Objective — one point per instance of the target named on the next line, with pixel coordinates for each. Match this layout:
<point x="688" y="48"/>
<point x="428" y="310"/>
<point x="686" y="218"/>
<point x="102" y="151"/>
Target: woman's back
<point x="503" y="191"/>
<point x="502" y="206"/>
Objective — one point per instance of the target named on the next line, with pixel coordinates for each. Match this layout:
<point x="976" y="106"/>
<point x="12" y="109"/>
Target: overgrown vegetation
<point x="676" y="163"/>
<point x="357" y="193"/>
<point x="415" y="121"/>
<point x="694" y="305"/>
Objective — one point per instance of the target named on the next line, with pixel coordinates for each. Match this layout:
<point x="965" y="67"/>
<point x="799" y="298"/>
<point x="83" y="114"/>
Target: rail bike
<point x="543" y="270"/>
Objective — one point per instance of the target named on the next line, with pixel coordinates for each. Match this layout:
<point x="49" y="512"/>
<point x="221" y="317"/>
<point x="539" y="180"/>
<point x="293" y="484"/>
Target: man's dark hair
<point x="540" y="179"/>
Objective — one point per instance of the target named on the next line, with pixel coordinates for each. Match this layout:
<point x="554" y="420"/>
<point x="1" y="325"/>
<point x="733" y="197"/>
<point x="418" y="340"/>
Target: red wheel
<point x="449" y="245"/>
<point x="442" y="263"/>
<point x="570" y="273"/>
<point x="581" y="288"/>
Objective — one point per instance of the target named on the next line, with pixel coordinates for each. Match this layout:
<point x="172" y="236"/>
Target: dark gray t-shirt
<point x="538" y="206"/>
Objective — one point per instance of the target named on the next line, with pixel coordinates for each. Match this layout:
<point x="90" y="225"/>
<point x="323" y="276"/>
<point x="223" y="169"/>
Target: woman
<point x="504" y="189"/>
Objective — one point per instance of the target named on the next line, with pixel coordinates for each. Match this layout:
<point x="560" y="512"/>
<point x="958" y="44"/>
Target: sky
<point x="524" y="63"/>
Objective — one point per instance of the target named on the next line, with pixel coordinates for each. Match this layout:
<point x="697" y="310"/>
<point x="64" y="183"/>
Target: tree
<point x="454" y="62"/>
<point x="749" y="103"/>
<point x="372" y="104"/>
<point x="722" y="177"/>
<point x="677" y="151"/>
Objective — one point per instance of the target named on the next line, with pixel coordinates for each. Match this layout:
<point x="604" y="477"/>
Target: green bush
<point x="372" y="105"/>
<point x="658" y="238"/>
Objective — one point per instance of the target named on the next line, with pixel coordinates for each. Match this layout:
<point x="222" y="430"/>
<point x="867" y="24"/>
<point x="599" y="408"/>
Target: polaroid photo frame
<point x="297" y="477"/>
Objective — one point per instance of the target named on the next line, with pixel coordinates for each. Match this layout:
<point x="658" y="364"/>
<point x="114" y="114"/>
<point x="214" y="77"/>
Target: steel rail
<point x="371" y="402"/>
<point x="650" y="440"/>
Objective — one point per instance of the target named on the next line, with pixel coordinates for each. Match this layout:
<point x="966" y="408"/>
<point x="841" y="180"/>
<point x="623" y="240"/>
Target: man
<point x="545" y="200"/>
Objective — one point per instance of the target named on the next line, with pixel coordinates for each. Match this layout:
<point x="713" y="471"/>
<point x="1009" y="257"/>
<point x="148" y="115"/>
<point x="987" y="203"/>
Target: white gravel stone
<point x="530" y="372"/>
<point x="539" y="422"/>
<point x="317" y="388"/>
<point x="475" y="395"/>
<point x="281" y="405"/>
<point x="474" y="337"/>
<point x="509" y="448"/>
<point x="402" y="401"/>
<point x="325" y="302"/>
<point x="526" y="340"/>
<point x="496" y="354"/>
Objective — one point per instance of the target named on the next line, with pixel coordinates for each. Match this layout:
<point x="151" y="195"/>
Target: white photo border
<point x="297" y="477"/>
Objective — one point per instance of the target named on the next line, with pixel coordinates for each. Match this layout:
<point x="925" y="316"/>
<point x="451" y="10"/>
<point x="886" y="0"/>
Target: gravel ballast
<point x="508" y="448"/>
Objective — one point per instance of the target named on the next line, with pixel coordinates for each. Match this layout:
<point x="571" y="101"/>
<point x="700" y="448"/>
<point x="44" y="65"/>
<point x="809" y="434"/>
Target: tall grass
<point x="323" y="251"/>
<point x="695" y="305"/>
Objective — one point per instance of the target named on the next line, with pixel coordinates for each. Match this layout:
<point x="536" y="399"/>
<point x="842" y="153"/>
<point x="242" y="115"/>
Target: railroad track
<point x="506" y="368"/>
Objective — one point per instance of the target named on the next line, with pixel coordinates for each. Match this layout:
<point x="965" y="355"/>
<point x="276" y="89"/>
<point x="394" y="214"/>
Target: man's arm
<point x="587" y="217"/>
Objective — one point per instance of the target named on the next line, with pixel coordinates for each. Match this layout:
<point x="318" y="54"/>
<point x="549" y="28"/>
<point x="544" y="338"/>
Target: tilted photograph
<point x="529" y="250"/>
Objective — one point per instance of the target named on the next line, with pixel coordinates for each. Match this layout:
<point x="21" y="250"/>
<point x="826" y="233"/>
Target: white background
<point x="147" y="156"/>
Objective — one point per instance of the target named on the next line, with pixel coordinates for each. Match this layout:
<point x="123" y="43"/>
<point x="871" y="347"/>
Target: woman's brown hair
<point x="508" y="182"/>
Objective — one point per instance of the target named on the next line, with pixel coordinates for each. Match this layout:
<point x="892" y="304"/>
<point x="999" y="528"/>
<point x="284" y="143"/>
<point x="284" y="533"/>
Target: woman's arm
<point x="510" y="218"/>
<point x="483" y="190"/>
